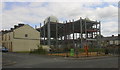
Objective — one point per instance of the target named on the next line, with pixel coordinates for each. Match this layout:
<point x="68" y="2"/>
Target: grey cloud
<point x="36" y="13"/>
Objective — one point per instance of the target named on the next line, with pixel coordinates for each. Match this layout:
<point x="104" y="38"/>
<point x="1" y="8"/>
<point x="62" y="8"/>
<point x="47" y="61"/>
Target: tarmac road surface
<point x="25" y="60"/>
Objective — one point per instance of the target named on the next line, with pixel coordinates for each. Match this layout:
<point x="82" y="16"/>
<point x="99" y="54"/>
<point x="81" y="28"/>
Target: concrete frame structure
<point x="54" y="33"/>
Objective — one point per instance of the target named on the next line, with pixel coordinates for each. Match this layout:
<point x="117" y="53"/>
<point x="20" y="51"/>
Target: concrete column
<point x="73" y="33"/>
<point x="56" y="34"/>
<point x="85" y="29"/>
<point x="66" y="32"/>
<point x="40" y="32"/>
<point x="48" y="29"/>
<point x="99" y="28"/>
<point x="81" y="31"/>
<point x="96" y="27"/>
<point x="44" y="33"/>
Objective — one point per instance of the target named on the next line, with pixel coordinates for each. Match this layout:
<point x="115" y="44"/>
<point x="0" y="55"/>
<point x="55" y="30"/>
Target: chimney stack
<point x="20" y="24"/>
<point x="11" y="29"/>
<point x="112" y="35"/>
<point x="15" y="26"/>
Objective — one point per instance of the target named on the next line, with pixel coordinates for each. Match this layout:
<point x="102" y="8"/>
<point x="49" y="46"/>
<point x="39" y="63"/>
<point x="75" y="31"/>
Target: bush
<point x="92" y="50"/>
<point x="40" y="50"/>
<point x="81" y="50"/>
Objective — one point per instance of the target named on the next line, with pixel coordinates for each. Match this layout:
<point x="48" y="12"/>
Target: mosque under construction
<point x="70" y="33"/>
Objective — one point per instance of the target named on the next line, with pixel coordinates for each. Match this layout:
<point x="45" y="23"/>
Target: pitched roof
<point x="11" y="30"/>
<point x="110" y="38"/>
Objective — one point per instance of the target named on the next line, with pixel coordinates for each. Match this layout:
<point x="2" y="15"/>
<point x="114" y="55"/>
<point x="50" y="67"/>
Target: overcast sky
<point x="33" y="13"/>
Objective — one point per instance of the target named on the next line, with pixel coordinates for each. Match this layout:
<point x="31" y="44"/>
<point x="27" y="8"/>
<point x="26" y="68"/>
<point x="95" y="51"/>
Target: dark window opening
<point x="26" y="35"/>
<point x="9" y="37"/>
<point x="2" y="38"/>
<point x="5" y="37"/>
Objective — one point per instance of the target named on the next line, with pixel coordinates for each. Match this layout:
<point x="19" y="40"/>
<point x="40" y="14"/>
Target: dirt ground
<point x="79" y="55"/>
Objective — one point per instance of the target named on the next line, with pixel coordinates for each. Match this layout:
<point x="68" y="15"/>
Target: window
<point x="5" y="37"/>
<point x="2" y="38"/>
<point x="9" y="37"/>
<point x="26" y="35"/>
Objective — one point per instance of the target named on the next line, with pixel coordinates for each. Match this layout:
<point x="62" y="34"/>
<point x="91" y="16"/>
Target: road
<point x="0" y="57"/>
<point x="25" y="60"/>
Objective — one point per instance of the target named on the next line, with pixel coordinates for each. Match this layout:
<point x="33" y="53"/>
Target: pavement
<point x="25" y="60"/>
<point x="92" y="57"/>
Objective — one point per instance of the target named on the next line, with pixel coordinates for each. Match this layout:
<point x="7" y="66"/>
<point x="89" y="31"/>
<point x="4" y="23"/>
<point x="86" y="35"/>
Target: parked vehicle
<point x="0" y="48"/>
<point x="4" y="49"/>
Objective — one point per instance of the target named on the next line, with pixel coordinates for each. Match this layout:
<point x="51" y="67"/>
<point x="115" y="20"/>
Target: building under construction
<point x="69" y="33"/>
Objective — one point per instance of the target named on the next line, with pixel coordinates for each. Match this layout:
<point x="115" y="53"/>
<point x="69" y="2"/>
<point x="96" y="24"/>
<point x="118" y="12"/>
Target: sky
<point x="35" y="12"/>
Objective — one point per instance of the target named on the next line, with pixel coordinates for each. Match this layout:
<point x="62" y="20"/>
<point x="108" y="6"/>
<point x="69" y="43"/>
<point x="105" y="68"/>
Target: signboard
<point x="71" y="52"/>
